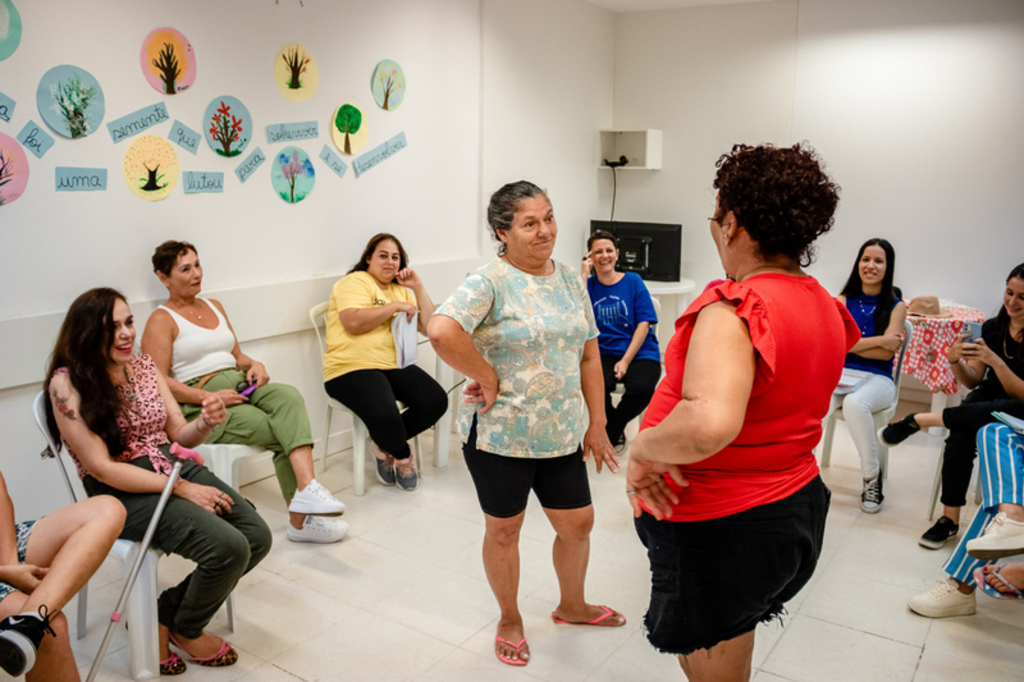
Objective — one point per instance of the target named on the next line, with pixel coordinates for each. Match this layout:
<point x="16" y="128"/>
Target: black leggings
<point x="371" y="395"/>
<point x="640" y="381"/>
<point x="963" y="422"/>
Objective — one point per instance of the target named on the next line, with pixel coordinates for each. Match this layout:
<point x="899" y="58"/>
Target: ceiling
<point x="620" y="6"/>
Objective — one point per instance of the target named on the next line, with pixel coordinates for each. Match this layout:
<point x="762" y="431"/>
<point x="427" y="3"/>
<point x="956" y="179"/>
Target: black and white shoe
<point x="871" y="497"/>
<point x="20" y="636"/>
<point x="897" y="432"/>
<point x="939" y="534"/>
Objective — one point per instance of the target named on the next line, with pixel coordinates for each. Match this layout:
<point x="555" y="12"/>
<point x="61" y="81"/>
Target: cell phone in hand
<point x="974" y="329"/>
<point x="248" y="390"/>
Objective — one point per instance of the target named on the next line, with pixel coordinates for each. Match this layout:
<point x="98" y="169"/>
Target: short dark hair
<point x="602" y="234"/>
<point x="167" y="254"/>
<point x="779" y="195"/>
<point x="371" y="246"/>
<point x="501" y="210"/>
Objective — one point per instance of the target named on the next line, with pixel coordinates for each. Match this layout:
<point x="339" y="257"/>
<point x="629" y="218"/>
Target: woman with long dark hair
<point x="117" y="417"/>
<point x="876" y="305"/>
<point x="993" y="367"/>
<point x="361" y="365"/>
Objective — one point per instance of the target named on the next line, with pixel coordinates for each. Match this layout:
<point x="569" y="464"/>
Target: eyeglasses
<point x="719" y="221"/>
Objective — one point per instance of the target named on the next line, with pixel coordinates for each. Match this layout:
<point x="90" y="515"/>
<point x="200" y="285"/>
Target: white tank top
<point x="198" y="351"/>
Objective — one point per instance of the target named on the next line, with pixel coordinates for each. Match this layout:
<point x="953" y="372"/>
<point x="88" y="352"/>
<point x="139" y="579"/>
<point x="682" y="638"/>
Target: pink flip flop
<point x="225" y="655"/>
<point x="508" y="660"/>
<point x="606" y="613"/>
<point x="979" y="578"/>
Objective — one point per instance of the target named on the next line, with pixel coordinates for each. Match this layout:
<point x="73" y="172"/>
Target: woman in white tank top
<point x="192" y="342"/>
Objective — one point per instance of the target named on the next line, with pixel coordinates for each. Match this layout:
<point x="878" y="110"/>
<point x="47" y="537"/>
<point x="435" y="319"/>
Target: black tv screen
<point x="651" y="250"/>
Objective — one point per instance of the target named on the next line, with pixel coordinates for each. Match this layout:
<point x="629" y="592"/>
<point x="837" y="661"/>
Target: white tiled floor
<point x="404" y="596"/>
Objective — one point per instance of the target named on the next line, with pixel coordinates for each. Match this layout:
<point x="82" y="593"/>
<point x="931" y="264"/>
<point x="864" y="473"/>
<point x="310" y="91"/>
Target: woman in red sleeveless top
<point x="721" y="477"/>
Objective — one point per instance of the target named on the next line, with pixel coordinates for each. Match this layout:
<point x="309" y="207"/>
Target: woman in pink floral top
<point x="117" y="418"/>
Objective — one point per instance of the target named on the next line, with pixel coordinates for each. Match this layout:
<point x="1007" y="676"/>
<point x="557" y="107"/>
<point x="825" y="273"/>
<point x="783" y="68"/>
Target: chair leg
<point x="359" y="435"/>
<point x="140" y="612"/>
<point x="419" y="453"/>
<point x="935" y="489"/>
<point x="83" y="609"/>
<point x="826" y="442"/>
<point x="327" y="440"/>
<point x="230" y="605"/>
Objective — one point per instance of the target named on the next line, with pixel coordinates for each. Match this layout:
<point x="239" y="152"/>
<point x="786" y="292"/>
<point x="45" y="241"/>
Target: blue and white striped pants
<point x="1001" y="477"/>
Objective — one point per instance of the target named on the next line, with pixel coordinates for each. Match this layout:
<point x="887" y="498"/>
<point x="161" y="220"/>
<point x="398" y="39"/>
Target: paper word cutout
<point x="202" y="182"/>
<point x="184" y="137"/>
<point x="333" y="161"/>
<point x="136" y="122"/>
<point x="35" y="139"/>
<point x="251" y="163"/>
<point x="80" y="179"/>
<point x="379" y="154"/>
<point x="6" y="106"/>
<point x="287" y="132"/>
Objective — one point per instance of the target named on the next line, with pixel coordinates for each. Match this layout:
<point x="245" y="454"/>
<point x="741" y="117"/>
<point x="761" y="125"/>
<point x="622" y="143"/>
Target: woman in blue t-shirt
<point x="626" y="318"/>
<point x="876" y="306"/>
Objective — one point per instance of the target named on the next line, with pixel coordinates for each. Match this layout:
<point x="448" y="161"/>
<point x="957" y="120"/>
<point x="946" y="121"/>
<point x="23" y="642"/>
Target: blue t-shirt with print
<point x="618" y="309"/>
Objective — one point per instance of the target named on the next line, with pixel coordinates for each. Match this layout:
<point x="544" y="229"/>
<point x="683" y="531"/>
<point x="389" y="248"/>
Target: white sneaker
<point x="318" y="529"/>
<point x="1002" y="537"/>
<point x="943" y="600"/>
<point x="316" y="500"/>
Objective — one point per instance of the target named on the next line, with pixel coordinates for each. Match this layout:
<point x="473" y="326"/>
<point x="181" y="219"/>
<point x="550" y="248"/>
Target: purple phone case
<point x="246" y="391"/>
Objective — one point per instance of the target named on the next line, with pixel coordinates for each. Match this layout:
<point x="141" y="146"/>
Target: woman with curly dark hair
<point x="722" y="478"/>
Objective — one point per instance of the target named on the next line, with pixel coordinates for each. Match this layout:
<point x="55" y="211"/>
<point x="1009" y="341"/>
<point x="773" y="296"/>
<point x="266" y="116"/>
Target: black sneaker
<point x="620" y="444"/>
<point x="943" y="531"/>
<point x="20" y="636"/>
<point x="897" y="432"/>
<point x="871" y="497"/>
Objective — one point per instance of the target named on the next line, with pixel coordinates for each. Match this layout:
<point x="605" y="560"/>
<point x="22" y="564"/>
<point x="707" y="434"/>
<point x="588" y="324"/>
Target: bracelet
<point x="951" y="363"/>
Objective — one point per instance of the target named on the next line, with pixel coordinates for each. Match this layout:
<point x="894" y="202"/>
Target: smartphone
<point x="974" y="329"/>
<point x="248" y="389"/>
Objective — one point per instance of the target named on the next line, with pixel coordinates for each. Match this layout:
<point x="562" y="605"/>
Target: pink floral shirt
<point x="142" y="417"/>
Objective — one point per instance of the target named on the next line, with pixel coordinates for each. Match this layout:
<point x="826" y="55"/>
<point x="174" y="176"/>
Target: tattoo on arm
<point x="62" y="406"/>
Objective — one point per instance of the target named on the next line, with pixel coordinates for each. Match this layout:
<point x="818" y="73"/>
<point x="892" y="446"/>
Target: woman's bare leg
<point x="727" y="661"/>
<point x="301" y="459"/>
<point x="571" y="555"/>
<point x="72" y="542"/>
<point x="501" y="563"/>
<point x="54" y="658"/>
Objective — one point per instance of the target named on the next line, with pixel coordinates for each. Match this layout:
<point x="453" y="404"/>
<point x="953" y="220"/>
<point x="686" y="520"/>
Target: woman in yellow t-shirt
<point x="360" y="366"/>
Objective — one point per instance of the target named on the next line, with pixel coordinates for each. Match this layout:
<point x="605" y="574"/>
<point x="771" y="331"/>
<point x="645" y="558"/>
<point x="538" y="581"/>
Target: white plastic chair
<point x="881" y="418"/>
<point x="140" y="612"/>
<point x="359" y="432"/>
<point x="225" y="461"/>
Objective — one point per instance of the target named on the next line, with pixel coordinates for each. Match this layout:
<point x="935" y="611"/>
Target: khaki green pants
<point x="274" y="418"/>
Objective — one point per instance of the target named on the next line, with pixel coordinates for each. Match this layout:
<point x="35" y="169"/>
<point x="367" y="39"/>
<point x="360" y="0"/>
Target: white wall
<point x="547" y="91"/>
<point x="478" y="79"/>
<point x="708" y="77"/>
<point x="918" y="106"/>
<point x="915" y="105"/>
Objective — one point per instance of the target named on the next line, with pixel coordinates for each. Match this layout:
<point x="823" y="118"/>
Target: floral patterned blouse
<point x="141" y="419"/>
<point x="531" y="329"/>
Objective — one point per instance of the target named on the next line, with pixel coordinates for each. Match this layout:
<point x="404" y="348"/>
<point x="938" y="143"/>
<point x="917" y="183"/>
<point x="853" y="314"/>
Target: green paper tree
<point x="348" y="120"/>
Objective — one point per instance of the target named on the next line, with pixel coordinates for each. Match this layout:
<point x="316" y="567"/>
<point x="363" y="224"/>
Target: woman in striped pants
<point x="996" y="531"/>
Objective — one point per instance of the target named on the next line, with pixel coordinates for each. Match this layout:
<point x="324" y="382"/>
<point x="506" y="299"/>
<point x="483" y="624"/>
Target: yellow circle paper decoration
<point x="151" y="167"/>
<point x="348" y="128"/>
<point x="295" y="73"/>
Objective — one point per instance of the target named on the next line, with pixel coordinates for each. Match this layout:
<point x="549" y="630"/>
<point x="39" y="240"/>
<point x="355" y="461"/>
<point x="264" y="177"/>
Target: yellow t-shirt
<point x="376" y="348"/>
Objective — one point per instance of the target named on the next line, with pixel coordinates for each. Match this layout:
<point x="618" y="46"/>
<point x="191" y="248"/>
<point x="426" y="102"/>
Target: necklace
<point x="868" y="313"/>
<point x="181" y="308"/>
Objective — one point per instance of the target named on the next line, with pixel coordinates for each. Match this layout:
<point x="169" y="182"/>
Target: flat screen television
<point x="651" y="250"/>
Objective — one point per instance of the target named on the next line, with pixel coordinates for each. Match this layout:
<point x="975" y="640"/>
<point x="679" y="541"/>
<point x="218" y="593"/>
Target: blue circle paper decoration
<point x="71" y="101"/>
<point x="10" y="29"/>
<point x="292" y="175"/>
<point x="227" y="126"/>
